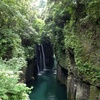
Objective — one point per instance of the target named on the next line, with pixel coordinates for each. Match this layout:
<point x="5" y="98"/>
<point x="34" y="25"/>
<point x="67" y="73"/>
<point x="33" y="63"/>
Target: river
<point x="46" y="87"/>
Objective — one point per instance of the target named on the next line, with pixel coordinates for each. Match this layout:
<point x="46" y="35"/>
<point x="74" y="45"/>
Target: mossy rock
<point x="94" y="93"/>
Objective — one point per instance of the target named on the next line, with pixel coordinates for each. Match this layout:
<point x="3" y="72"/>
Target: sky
<point x="39" y="3"/>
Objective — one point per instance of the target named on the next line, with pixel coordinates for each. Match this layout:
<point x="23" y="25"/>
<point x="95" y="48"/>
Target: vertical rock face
<point x="80" y="85"/>
<point x="71" y="88"/>
<point x="48" y="51"/>
<point x="82" y="91"/>
<point x="62" y="75"/>
<point x="76" y="88"/>
<point x="77" y="46"/>
<point x="44" y="55"/>
<point x="42" y="60"/>
<point x="31" y="70"/>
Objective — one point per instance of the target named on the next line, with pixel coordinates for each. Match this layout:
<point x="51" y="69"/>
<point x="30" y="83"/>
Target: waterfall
<point x="41" y="58"/>
<point x="44" y="57"/>
<point x="37" y="68"/>
<point x="44" y="65"/>
<point x="41" y="65"/>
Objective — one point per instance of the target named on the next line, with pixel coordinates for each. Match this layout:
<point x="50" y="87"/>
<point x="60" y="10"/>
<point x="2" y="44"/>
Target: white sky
<point x="37" y="2"/>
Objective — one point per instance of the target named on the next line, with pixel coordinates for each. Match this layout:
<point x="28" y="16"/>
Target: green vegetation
<point x="74" y="28"/>
<point x="10" y="88"/>
<point x="19" y="32"/>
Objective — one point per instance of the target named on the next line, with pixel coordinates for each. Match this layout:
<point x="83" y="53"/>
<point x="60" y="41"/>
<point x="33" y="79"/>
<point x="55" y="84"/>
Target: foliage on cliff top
<point x="17" y="28"/>
<point x="76" y="24"/>
<point x="18" y="37"/>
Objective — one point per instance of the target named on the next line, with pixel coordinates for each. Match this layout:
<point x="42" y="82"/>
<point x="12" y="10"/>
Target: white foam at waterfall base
<point x="40" y="73"/>
<point x="55" y="72"/>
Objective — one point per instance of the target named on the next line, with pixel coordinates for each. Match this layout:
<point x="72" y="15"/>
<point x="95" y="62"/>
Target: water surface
<point x="46" y="87"/>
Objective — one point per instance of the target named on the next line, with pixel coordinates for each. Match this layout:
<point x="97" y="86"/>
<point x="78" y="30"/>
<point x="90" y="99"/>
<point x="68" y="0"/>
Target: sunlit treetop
<point x="39" y="3"/>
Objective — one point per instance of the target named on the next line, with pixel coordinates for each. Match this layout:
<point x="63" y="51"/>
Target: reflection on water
<point x="46" y="87"/>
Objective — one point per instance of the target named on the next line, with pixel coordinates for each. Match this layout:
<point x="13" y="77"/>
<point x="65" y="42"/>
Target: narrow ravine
<point x="46" y="87"/>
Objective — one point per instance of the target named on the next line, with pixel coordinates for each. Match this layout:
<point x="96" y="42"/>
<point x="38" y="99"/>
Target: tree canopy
<point x="73" y="27"/>
<point x="19" y="33"/>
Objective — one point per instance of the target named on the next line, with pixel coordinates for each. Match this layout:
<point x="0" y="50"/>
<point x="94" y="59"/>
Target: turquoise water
<point x="46" y="87"/>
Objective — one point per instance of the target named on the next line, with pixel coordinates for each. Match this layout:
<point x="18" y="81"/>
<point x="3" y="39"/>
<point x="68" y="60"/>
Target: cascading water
<point x="41" y="64"/>
<point x="44" y="64"/>
<point x="41" y="58"/>
<point x="46" y="87"/>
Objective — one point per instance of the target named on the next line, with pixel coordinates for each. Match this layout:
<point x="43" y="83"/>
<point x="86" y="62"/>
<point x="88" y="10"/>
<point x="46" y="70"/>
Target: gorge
<point x="52" y="45"/>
